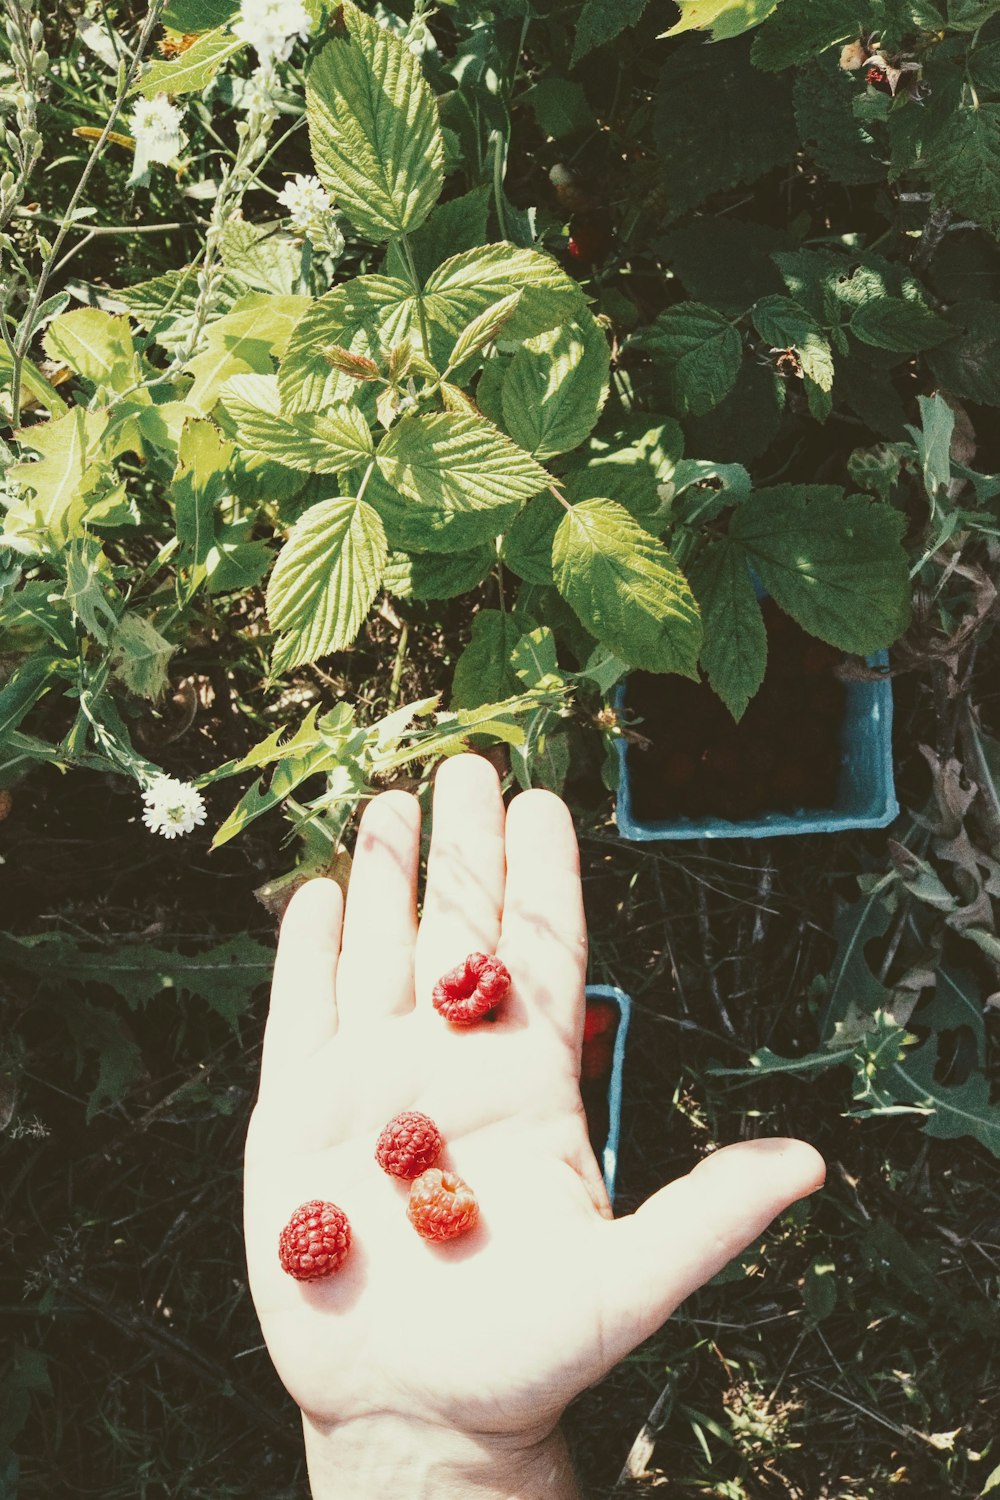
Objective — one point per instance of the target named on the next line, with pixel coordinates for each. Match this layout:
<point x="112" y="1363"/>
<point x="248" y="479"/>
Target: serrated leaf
<point x="801" y="29"/>
<point x="527" y="546"/>
<point x="437" y="576"/>
<point x="626" y="588"/>
<point x="324" y="442"/>
<point x="68" y="446"/>
<point x="601" y="21"/>
<point x="969" y="365"/>
<point x="194" y="69"/>
<point x="964" y="163"/>
<point x="373" y="127"/>
<point x="698" y="350"/>
<point x="367" y="316"/>
<point x="839" y="143"/>
<point x="835" y="563"/>
<point x="724" y="18"/>
<point x="483" y="673"/>
<point x="139" y="656"/>
<point x="560" y="107"/>
<point x="748" y="129"/>
<point x="324" y="580"/>
<point x="734" y="652"/>
<point x="483" y="329"/>
<point x="555" y="386"/>
<point x="467" y="284"/>
<point x="453" y="466"/>
<point x="903" y="327"/>
<point x="242" y="342"/>
<point x="96" y="344"/>
<point x="459" y="224"/>
<point x="786" y="324"/>
<point x="262" y="256"/>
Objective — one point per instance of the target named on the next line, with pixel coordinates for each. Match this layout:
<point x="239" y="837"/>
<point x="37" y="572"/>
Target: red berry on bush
<point x="590" y="239"/>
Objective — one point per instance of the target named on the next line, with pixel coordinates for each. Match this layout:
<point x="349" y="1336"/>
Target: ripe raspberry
<point x="315" y="1241"/>
<point x="470" y="991"/>
<point x="875" y="76"/>
<point x="408" y="1145"/>
<point x="441" y="1205"/>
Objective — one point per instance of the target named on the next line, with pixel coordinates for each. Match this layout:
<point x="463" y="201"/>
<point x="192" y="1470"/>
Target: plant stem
<point x="414" y="278"/>
<point x="28" y="324"/>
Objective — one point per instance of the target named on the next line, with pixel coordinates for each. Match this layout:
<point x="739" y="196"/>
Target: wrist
<point x="386" y="1457"/>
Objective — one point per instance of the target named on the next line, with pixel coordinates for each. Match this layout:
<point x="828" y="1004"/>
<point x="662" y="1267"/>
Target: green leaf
<point x="429" y="575"/>
<point x="261" y="256"/>
<point x="835" y="563"/>
<point x="786" y="324"/>
<point x="200" y="481"/>
<point x="724" y="18"/>
<point x="626" y="588"/>
<point x="838" y="142"/>
<point x="933" y="442"/>
<point x="527" y="546"/>
<point x="718" y="124"/>
<point x="969" y="366"/>
<point x="903" y="327"/>
<point x="67" y="445"/>
<point x="194" y="69"/>
<point x="801" y="29"/>
<point x="483" y="329"/>
<point x="366" y="316"/>
<point x="964" y="164"/>
<point x="244" y="341"/>
<point x="96" y="344"/>
<point x="467" y="284"/>
<point x="483" y="673"/>
<point x="725" y="261"/>
<point x="698" y="350"/>
<point x="139" y="657"/>
<point x="320" y="442"/>
<point x="187" y="16"/>
<point x="459" y="224"/>
<point x="601" y="21"/>
<point x="89" y="588"/>
<point x="734" y="653"/>
<point x="555" y="387"/>
<point x="324" y="580"/>
<point x="560" y="107"/>
<point x="373" y="127"/>
<point x="455" y="468"/>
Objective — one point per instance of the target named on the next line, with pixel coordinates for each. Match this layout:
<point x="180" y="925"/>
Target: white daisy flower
<point x="156" y="129"/>
<point x="272" y="27"/>
<point x="172" y="807"/>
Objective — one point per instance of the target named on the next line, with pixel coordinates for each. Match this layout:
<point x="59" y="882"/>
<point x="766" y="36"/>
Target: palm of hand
<point x="496" y="1332"/>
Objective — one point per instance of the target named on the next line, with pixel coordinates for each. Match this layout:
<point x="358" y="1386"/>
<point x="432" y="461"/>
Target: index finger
<point x="543" y="937"/>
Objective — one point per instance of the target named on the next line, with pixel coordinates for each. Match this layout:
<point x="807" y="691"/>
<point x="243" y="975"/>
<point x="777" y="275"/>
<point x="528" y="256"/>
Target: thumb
<point x="690" y="1229"/>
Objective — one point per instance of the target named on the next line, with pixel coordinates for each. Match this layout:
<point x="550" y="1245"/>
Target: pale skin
<point x="440" y="1372"/>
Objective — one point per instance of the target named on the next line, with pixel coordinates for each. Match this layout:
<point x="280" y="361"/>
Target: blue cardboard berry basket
<point x="609" y="1156"/>
<point x="866" y="795"/>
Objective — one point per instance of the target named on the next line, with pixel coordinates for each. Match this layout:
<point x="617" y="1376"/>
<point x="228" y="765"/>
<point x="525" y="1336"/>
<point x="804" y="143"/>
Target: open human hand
<point x="442" y="1370"/>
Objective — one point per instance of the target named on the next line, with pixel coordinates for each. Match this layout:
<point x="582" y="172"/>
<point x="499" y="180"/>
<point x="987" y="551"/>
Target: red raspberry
<point x="408" y="1145"/>
<point x="315" y="1241"/>
<point x="469" y="992"/>
<point x="875" y="76"/>
<point x="441" y="1205"/>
